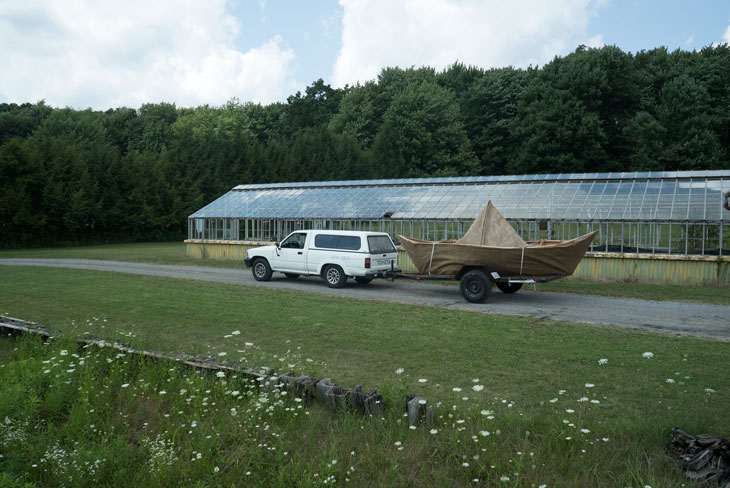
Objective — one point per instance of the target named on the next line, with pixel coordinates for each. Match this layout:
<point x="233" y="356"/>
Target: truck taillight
<point x="367" y="263"/>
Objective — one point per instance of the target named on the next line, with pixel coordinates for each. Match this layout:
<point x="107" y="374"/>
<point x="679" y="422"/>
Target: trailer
<point x="476" y="283"/>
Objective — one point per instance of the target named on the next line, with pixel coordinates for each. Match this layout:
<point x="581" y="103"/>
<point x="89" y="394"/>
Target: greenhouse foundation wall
<point x="596" y="266"/>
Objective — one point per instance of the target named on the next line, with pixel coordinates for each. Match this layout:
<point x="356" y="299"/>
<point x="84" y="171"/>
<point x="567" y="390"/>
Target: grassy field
<point x="570" y="386"/>
<point x="174" y="253"/>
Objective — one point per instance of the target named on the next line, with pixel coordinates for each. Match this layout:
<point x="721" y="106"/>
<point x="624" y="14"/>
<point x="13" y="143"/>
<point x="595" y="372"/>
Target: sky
<point x="113" y="53"/>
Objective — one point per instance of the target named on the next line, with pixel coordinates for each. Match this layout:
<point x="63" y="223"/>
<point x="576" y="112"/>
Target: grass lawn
<point x="174" y="253"/>
<point x="547" y="379"/>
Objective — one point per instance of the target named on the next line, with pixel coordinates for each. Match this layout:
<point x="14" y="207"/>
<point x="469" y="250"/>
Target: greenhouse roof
<point x="669" y="196"/>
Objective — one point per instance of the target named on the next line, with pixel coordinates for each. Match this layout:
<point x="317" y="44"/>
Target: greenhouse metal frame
<point x="683" y="212"/>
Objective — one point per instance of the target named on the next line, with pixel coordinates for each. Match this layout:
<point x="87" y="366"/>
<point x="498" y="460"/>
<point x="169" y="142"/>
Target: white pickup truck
<point x="333" y="255"/>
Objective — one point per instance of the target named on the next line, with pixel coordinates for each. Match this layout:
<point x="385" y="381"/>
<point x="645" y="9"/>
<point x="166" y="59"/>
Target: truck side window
<point x="294" y="241"/>
<point x="327" y="241"/>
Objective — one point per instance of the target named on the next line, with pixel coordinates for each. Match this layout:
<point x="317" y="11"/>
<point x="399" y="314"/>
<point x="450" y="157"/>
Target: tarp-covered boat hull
<point x="545" y="258"/>
<point x="491" y="241"/>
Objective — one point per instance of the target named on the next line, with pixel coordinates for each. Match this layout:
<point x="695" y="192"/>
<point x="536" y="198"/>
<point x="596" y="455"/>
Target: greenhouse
<point x="672" y="213"/>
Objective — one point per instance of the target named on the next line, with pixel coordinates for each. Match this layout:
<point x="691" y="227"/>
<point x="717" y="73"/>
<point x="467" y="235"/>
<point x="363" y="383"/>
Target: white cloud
<point x="726" y="35"/>
<point x="595" y="41"/>
<point x="129" y="52"/>
<point x="487" y="33"/>
<point x="689" y="41"/>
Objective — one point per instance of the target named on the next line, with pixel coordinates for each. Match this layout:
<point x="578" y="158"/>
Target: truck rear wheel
<point x="476" y="286"/>
<point x="509" y="287"/>
<point x="261" y="270"/>
<point x="334" y="276"/>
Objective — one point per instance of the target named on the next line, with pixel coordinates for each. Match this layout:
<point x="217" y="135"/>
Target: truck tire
<point x="509" y="287"/>
<point x="291" y="276"/>
<point x="363" y="280"/>
<point x="261" y="270"/>
<point x="334" y="276"/>
<point x="476" y="286"/>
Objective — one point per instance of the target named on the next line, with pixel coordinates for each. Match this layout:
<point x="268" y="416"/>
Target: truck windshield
<point x="380" y="244"/>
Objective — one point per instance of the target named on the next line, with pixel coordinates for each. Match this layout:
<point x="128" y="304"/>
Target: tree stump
<point x="704" y="457"/>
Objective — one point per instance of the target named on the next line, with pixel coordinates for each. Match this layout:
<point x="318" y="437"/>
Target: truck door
<point x="291" y="254"/>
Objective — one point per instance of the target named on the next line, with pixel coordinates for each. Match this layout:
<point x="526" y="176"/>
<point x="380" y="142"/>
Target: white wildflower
<point x="477" y="387"/>
<point x="670" y="380"/>
<point x="422" y="380"/>
<point x="648" y="355"/>
<point x="590" y="385"/>
<point x="433" y="431"/>
<point x="602" y="361"/>
<point x="399" y="371"/>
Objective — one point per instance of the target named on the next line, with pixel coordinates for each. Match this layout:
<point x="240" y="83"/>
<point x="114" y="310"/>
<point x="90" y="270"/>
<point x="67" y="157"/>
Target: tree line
<point x="83" y="176"/>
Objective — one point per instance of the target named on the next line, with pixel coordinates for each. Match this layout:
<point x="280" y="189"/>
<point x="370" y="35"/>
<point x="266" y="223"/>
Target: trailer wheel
<point x="476" y="286"/>
<point x="509" y="287"/>
<point x="261" y="270"/>
<point x="334" y="276"/>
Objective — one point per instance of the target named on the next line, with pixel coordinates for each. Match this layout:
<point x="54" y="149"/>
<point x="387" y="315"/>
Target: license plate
<point x="382" y="262"/>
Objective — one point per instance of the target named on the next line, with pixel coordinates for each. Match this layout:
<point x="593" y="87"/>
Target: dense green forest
<point x="81" y="176"/>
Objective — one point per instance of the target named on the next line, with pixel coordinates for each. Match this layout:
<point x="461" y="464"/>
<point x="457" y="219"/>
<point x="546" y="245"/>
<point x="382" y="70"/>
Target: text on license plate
<point x="382" y="262"/>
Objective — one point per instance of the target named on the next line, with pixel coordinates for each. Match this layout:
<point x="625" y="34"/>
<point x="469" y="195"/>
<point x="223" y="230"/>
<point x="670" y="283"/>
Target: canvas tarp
<point x="491" y="229"/>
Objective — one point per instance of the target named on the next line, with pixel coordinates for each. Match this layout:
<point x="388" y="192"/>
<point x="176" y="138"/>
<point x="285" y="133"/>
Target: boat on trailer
<point x="491" y="252"/>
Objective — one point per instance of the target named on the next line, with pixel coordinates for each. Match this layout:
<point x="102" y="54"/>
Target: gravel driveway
<point x="711" y="321"/>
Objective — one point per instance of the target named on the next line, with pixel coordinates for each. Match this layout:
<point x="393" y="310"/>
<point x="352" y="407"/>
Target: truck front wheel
<point x="261" y="270"/>
<point x="334" y="276"/>
<point x="476" y="286"/>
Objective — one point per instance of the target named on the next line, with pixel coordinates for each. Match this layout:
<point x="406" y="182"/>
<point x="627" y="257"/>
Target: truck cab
<point x="333" y="255"/>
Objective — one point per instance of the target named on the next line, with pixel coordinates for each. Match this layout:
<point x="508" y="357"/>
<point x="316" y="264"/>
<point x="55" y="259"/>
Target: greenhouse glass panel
<point x="618" y="206"/>
<point x="697" y="196"/>
<point x="714" y="201"/>
<point x="680" y="205"/>
<point x="651" y="200"/>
